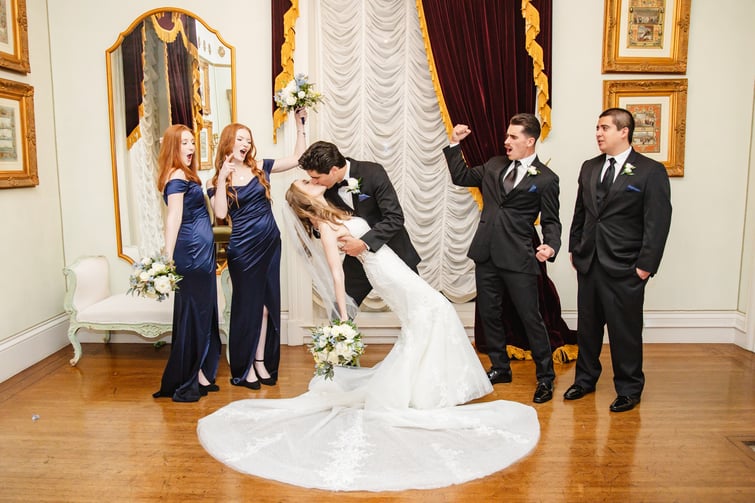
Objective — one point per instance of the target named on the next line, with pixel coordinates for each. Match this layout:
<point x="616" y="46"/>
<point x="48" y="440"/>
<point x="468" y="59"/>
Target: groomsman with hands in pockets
<point x="621" y="221"/>
<point x="516" y="188"/>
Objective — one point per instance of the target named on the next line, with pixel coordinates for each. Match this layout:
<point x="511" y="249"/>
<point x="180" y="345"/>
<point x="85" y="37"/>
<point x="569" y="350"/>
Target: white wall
<point x="31" y="254"/>
<point x="701" y="266"/>
<point x="53" y="224"/>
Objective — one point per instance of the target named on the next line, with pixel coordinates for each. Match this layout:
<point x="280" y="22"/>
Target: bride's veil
<point x="313" y="255"/>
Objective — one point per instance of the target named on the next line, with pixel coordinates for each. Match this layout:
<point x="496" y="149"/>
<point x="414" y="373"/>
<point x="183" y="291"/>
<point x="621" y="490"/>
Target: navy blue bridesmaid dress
<point x="195" y="341"/>
<point x="254" y="254"/>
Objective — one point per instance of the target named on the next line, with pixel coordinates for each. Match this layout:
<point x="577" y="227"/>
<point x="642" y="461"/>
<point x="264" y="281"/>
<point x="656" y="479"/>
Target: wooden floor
<point x="94" y="433"/>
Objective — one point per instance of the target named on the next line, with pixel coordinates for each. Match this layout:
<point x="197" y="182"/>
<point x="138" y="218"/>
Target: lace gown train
<point x="394" y="426"/>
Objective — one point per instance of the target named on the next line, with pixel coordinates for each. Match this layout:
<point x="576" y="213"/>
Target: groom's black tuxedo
<point x="503" y="253"/>
<point x="608" y="242"/>
<point x="377" y="203"/>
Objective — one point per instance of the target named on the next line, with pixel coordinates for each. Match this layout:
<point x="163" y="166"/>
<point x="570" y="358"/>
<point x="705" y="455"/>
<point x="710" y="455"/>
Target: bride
<point x="394" y="426"/>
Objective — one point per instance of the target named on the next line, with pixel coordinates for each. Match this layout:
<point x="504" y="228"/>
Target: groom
<point x="363" y="189"/>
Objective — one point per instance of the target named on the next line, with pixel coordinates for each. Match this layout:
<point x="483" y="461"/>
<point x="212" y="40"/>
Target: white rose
<point x="146" y="261"/>
<point x="291" y="101"/>
<point x="320" y="357"/>
<point x="145" y="276"/>
<point x="162" y="284"/>
<point x="342" y="349"/>
<point x="332" y="358"/>
<point x="353" y="183"/>
<point x="157" y="268"/>
<point x="301" y="94"/>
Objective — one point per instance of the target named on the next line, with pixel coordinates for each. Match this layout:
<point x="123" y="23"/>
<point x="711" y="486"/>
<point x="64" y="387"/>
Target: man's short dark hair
<point x="321" y="156"/>
<point x="530" y="124"/>
<point x="622" y="118"/>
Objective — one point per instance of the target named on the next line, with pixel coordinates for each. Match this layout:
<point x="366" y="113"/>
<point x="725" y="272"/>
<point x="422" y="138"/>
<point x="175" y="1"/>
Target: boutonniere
<point x="354" y="185"/>
<point x="532" y="171"/>
<point x="628" y="169"/>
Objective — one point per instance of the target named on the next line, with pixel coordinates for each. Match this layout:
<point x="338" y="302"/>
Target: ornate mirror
<point x="168" y="67"/>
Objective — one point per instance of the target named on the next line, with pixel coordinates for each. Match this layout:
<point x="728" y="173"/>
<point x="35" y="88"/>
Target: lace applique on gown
<point x="395" y="426"/>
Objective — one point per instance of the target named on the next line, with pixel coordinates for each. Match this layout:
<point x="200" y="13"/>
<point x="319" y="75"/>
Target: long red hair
<point x="225" y="147"/>
<point x="169" y="158"/>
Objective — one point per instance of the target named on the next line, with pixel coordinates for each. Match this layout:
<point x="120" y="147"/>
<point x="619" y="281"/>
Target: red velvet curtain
<point x="278" y="9"/>
<point x="180" y="75"/>
<point x="486" y="77"/>
<point x="133" y="76"/>
<point x="483" y="67"/>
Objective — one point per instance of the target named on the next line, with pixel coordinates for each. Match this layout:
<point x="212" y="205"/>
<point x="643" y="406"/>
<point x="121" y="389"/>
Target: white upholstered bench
<point x="90" y="305"/>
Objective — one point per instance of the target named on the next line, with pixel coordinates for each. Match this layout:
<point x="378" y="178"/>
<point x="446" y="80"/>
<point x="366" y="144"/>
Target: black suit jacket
<point x="629" y="229"/>
<point x="506" y="226"/>
<point x="379" y="205"/>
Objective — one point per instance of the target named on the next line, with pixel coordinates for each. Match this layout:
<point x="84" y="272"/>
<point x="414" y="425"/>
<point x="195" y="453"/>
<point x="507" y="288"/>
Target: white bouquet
<point x="339" y="343"/>
<point x="154" y="277"/>
<point x="298" y="93"/>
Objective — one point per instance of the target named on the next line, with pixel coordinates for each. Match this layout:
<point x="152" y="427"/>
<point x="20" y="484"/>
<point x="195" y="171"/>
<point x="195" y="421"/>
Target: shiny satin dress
<point x="395" y="426"/>
<point x="195" y="342"/>
<point x="254" y="255"/>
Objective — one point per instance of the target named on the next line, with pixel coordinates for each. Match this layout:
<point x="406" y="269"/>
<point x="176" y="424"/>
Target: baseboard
<point x="27" y="348"/>
<point x="698" y="327"/>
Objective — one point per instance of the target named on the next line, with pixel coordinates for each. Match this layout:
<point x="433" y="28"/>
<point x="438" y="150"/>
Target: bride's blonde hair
<point x="308" y="209"/>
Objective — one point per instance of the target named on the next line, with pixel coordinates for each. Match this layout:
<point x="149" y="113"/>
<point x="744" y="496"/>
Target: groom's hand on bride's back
<point x="352" y="246"/>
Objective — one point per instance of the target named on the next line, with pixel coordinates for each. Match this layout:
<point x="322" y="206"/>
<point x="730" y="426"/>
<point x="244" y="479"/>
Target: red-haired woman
<point x="254" y="251"/>
<point x="195" y="342"/>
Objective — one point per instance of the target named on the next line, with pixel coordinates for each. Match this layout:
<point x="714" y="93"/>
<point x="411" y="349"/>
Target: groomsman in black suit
<point x="515" y="190"/>
<point x="621" y="220"/>
<point x="363" y="189"/>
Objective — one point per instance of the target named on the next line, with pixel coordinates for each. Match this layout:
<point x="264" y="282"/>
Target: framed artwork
<point x="18" y="143"/>
<point x="204" y="66"/>
<point x="205" y="146"/>
<point x="14" y="39"/>
<point x="646" y="36"/>
<point x="659" y="108"/>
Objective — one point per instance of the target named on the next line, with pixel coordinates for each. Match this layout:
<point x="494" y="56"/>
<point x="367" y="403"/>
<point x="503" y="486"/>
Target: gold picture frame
<point x="205" y="146"/>
<point x="646" y="36"/>
<point x="18" y="141"/>
<point x="659" y="108"/>
<point x="14" y="37"/>
<point x="204" y="66"/>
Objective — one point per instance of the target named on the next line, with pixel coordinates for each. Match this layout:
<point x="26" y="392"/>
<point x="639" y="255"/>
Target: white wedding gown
<point x="394" y="426"/>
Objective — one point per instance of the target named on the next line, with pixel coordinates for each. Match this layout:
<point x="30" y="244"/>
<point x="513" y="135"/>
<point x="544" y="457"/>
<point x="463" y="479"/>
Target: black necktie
<point x="605" y="184"/>
<point x="508" y="181"/>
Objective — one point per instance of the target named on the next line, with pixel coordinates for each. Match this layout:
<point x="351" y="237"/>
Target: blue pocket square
<point x="632" y="188"/>
<point x="533" y="189"/>
<point x="363" y="197"/>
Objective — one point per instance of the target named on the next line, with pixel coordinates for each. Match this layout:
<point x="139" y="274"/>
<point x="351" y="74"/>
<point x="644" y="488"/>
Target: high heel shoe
<point x="267" y="381"/>
<point x="203" y="390"/>
<point x="251" y="385"/>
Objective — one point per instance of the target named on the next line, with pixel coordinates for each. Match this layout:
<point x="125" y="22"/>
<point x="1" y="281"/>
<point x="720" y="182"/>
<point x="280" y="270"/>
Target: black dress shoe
<point x="498" y="376"/>
<point x="267" y="381"/>
<point x="543" y="392"/>
<point x="624" y="403"/>
<point x="575" y="392"/>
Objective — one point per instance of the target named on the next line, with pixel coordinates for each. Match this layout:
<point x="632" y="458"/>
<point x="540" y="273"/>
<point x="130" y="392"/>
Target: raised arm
<point x="329" y="240"/>
<point x="291" y="161"/>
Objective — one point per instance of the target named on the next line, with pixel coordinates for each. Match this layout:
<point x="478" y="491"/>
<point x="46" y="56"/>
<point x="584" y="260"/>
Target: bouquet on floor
<point x="154" y="277"/>
<point x="337" y="344"/>
<point x="299" y="93"/>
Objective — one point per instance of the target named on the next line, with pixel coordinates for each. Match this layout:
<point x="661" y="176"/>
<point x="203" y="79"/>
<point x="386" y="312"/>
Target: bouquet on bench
<point x="154" y="277"/>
